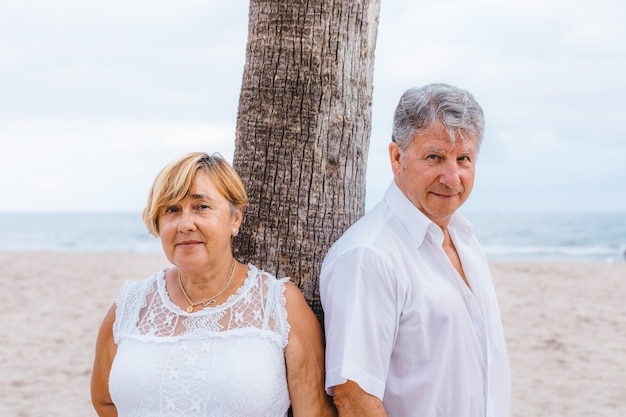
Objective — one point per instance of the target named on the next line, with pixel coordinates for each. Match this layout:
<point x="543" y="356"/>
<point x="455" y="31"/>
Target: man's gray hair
<point x="422" y="108"/>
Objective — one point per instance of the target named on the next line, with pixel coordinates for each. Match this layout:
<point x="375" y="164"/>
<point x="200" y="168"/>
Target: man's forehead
<point x="444" y="144"/>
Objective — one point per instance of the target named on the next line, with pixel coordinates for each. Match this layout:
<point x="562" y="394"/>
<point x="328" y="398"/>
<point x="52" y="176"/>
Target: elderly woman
<point x="209" y="336"/>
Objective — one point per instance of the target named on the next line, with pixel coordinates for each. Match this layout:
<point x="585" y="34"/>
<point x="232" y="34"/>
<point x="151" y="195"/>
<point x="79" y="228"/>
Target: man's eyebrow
<point x="432" y="149"/>
<point x="469" y="151"/>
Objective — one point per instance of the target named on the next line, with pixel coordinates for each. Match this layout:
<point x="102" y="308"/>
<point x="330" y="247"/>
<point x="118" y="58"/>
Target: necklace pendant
<point x="207" y="303"/>
<point x="190" y="309"/>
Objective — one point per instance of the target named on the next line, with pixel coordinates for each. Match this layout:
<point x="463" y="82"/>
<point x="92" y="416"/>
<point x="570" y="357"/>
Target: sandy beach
<point x="565" y="325"/>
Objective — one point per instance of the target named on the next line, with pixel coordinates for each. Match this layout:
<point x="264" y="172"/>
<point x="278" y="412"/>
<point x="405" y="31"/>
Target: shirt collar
<point x="414" y="221"/>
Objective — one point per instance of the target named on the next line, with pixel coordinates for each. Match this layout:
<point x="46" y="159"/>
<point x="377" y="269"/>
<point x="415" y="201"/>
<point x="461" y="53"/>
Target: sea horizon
<point x="548" y="236"/>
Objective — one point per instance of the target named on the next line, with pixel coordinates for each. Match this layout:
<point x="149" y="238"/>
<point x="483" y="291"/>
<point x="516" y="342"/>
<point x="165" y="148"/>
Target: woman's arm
<point x="105" y="352"/>
<point x="304" y="356"/>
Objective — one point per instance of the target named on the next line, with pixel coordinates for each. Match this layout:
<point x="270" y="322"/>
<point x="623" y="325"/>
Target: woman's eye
<point x="202" y="207"/>
<point x="171" y="209"/>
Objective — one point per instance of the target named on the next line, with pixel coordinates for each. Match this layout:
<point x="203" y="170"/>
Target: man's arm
<point x="352" y="401"/>
<point x="359" y="295"/>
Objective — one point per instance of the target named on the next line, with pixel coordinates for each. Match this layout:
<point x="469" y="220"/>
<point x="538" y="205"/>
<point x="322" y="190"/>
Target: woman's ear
<point x="237" y="218"/>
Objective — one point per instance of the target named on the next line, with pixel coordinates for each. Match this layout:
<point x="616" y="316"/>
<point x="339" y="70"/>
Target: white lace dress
<point x="223" y="361"/>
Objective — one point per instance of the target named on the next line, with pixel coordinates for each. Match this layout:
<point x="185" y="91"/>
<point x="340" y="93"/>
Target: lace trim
<point x="259" y="305"/>
<point x="244" y="288"/>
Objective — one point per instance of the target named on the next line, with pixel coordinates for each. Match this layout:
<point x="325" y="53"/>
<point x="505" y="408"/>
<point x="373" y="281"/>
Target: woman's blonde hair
<point x="174" y="183"/>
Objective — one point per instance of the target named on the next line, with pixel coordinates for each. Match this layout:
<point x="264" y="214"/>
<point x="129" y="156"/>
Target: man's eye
<point x="433" y="157"/>
<point x="464" y="159"/>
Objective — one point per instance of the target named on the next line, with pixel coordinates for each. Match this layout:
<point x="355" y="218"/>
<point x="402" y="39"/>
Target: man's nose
<point x="450" y="174"/>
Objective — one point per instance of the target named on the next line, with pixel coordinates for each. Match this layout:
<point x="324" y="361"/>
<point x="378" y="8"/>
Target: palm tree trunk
<point x="303" y="130"/>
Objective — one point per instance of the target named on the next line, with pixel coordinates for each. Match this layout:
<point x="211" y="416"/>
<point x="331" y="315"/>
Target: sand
<point x="565" y="325"/>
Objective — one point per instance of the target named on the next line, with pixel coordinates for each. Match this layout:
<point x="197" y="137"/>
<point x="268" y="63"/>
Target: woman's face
<point x="196" y="233"/>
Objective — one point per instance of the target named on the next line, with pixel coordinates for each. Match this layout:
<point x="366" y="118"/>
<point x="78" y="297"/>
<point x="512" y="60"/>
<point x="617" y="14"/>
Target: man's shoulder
<point x="374" y="231"/>
<point x="374" y="222"/>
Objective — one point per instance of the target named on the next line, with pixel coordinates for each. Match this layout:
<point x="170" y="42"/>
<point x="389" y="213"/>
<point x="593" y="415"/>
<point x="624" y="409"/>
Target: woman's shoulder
<point x="293" y="296"/>
<point x="266" y="277"/>
<point x="131" y="299"/>
<point x="284" y="286"/>
<point x="144" y="284"/>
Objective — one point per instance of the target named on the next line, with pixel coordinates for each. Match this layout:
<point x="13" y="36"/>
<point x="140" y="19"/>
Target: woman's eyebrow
<point x="200" y="197"/>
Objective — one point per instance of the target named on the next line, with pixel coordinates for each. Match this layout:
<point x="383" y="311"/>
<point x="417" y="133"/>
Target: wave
<point x="504" y="236"/>
<point x="565" y="253"/>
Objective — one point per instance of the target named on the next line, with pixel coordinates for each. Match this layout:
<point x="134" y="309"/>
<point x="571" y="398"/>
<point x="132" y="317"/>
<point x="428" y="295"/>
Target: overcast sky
<point x="95" y="97"/>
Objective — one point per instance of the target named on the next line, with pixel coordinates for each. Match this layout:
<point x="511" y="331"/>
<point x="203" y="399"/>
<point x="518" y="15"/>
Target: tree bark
<point x="303" y="130"/>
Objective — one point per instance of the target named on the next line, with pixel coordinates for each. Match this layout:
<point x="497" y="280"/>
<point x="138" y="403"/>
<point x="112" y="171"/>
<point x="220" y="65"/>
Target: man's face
<point x="435" y="174"/>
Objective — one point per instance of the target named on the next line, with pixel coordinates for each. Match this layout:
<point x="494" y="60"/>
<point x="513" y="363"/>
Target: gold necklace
<point x="210" y="300"/>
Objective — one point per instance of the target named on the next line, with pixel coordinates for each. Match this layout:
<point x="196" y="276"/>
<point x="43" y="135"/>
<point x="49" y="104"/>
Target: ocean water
<point x="504" y="236"/>
<point x="76" y="232"/>
<point x="552" y="236"/>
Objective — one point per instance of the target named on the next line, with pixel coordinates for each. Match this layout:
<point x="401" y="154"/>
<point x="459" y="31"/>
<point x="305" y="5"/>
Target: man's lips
<point x="444" y="195"/>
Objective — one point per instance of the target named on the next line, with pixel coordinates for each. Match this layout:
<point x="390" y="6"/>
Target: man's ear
<point x="395" y="156"/>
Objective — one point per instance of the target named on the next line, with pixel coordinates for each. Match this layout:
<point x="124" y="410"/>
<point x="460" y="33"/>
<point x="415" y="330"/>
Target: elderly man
<point x="412" y="322"/>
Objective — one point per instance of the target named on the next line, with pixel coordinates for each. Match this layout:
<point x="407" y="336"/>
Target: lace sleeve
<point x="276" y="311"/>
<point x="131" y="299"/>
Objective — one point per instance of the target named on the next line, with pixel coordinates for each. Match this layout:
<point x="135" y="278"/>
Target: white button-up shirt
<point x="401" y="322"/>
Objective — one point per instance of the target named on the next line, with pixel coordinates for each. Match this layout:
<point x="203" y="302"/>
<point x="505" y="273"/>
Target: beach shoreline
<point x="565" y="325"/>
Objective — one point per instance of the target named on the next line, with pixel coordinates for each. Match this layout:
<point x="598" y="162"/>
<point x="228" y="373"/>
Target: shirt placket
<point x="479" y="326"/>
<point x="475" y="312"/>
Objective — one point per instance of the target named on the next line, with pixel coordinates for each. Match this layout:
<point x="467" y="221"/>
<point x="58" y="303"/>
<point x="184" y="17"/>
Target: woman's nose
<point x="187" y="222"/>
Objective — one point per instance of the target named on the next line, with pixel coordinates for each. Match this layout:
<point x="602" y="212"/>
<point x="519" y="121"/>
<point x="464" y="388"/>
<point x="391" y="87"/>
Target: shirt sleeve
<point x="362" y="306"/>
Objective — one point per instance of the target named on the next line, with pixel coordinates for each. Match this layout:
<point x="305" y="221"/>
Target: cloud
<point x="121" y="59"/>
<point x="98" y="96"/>
<point x="76" y="165"/>
<point x="550" y="78"/>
